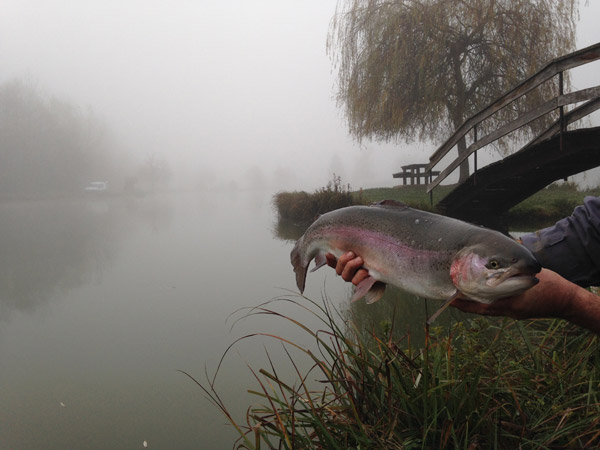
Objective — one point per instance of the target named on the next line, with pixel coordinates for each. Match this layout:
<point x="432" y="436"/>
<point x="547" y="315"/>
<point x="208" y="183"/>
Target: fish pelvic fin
<point x="299" y="267"/>
<point x="369" y="288"/>
<point x="443" y="307"/>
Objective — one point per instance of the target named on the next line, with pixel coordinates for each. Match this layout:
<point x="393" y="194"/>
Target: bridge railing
<point x="590" y="96"/>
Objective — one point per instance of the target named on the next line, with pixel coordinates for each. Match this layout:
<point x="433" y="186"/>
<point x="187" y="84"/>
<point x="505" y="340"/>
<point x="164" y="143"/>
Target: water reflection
<point x="49" y="248"/>
<point x="287" y="230"/>
<point x="103" y="301"/>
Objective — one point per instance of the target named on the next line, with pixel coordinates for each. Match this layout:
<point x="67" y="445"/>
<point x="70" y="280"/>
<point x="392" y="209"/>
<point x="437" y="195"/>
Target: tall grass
<point x="481" y="384"/>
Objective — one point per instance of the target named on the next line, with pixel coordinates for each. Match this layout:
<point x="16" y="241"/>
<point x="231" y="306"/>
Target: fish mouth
<point x="513" y="275"/>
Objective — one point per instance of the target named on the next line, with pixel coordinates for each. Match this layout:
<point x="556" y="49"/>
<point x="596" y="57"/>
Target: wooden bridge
<point x="555" y="154"/>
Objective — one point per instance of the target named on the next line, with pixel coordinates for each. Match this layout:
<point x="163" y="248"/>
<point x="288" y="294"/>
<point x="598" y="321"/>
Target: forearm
<point x="584" y="310"/>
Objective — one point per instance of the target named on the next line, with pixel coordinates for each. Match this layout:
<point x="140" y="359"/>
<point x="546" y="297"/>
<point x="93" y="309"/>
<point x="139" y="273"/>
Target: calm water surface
<point x="102" y="301"/>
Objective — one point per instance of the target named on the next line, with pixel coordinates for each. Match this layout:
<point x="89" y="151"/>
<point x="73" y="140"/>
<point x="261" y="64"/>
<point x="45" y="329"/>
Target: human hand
<point x="551" y="297"/>
<point x="348" y="266"/>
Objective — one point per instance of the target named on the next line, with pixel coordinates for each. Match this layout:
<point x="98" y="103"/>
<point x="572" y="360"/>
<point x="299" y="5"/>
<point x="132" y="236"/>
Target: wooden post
<point x="430" y="192"/>
<point x="475" y="156"/>
<point x="561" y="109"/>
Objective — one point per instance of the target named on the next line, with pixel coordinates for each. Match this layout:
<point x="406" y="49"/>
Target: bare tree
<point x="416" y="69"/>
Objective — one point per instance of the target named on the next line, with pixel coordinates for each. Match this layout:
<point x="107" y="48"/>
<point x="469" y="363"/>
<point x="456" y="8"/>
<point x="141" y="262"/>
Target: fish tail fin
<point x="299" y="267"/>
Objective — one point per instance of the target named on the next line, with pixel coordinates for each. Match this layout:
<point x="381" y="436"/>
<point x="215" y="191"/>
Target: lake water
<point x="102" y="301"/>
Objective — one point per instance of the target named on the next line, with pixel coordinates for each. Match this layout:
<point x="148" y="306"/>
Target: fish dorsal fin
<point x="391" y="204"/>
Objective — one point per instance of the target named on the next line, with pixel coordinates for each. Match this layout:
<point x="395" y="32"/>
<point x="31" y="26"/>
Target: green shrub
<point x="302" y="207"/>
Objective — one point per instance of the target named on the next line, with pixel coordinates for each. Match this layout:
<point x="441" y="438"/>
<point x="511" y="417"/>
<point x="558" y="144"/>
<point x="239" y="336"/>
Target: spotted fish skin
<point x="427" y="254"/>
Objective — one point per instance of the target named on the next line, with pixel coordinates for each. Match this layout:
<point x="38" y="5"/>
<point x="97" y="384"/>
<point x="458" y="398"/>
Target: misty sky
<point x="240" y="88"/>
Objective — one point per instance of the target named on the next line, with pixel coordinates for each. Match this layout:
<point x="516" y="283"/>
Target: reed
<point x="477" y="384"/>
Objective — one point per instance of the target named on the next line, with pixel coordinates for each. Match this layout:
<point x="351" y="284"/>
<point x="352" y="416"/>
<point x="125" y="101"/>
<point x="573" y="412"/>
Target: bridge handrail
<point x="591" y="94"/>
<point x="572" y="116"/>
<point x="553" y="68"/>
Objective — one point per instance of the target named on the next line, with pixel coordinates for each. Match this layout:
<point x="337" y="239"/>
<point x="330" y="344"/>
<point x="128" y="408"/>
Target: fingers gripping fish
<point x="423" y="253"/>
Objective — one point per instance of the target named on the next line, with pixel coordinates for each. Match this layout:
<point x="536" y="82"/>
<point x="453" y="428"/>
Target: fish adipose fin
<point x="369" y="288"/>
<point x="443" y="307"/>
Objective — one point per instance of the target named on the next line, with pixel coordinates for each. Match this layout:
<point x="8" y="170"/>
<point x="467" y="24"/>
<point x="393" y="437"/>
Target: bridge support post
<point x="561" y="109"/>
<point x="430" y="192"/>
<point x="475" y="156"/>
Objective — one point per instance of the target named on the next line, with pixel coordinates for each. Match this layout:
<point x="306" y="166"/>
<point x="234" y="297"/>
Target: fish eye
<point x="493" y="264"/>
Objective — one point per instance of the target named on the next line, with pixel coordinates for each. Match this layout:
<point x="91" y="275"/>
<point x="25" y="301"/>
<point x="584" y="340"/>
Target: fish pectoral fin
<point x="369" y="288"/>
<point x="320" y="261"/>
<point x="443" y="307"/>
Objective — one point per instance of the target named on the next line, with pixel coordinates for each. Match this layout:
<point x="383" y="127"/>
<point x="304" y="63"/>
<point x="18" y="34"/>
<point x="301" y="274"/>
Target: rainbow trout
<point x="426" y="254"/>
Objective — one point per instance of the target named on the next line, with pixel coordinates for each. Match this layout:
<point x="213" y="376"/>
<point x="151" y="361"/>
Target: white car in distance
<point x="97" y="186"/>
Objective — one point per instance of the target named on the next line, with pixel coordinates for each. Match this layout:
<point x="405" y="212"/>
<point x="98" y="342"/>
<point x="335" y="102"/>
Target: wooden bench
<point x="415" y="172"/>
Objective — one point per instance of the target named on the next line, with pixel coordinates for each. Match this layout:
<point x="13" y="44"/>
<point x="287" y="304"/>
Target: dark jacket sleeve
<point x="572" y="246"/>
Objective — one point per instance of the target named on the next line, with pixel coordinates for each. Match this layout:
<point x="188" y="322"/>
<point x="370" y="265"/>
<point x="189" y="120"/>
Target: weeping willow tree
<point x="416" y="69"/>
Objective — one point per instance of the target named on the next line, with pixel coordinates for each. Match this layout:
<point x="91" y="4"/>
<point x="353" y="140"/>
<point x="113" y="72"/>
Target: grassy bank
<point x="549" y="205"/>
<point x="415" y="196"/>
<point x="479" y="384"/>
<point x="541" y="209"/>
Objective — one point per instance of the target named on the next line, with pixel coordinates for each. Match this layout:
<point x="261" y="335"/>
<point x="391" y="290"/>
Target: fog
<point x="241" y="89"/>
<point x="104" y="297"/>
<point x="235" y="94"/>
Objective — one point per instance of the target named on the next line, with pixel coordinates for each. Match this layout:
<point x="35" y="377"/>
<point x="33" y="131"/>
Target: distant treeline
<point x="48" y="146"/>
